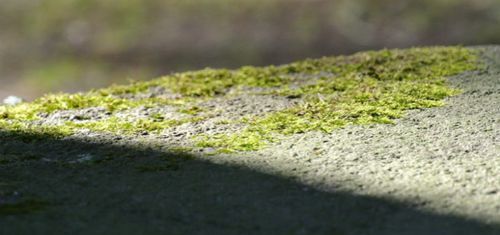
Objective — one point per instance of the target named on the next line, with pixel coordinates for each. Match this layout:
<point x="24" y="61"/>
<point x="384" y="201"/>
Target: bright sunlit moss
<point x="139" y="126"/>
<point x="248" y="140"/>
<point x="367" y="88"/>
<point x="364" y="88"/>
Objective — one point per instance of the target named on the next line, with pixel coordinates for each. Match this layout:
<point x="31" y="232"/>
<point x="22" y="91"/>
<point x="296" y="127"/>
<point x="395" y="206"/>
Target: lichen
<point x="365" y="88"/>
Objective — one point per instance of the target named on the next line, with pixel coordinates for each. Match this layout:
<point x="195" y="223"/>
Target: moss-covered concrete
<point x="327" y="94"/>
<point x="433" y="170"/>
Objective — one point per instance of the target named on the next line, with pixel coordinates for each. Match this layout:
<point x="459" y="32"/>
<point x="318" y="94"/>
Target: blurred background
<point x="75" y="45"/>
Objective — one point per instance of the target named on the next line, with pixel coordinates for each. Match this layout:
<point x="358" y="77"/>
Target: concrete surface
<point x="436" y="171"/>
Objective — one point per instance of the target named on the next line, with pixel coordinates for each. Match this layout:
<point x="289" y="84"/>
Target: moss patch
<point x="140" y="126"/>
<point x="248" y="140"/>
<point x="364" y="88"/>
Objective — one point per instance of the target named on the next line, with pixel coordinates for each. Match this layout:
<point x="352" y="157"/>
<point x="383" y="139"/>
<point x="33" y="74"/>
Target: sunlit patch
<point x="327" y="93"/>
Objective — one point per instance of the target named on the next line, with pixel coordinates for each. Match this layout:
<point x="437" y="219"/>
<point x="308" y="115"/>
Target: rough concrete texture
<point x="436" y="171"/>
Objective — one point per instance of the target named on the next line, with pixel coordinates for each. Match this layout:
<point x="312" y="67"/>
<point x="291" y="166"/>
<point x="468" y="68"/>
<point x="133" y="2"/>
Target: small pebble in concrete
<point x="12" y="100"/>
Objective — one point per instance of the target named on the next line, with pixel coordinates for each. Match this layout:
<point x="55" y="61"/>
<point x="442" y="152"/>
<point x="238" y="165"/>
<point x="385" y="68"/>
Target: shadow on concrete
<point x="70" y="186"/>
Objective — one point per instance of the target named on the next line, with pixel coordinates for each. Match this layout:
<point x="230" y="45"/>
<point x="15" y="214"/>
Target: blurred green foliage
<point x="50" y="45"/>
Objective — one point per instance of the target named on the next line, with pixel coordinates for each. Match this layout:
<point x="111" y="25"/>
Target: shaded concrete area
<point x="122" y="191"/>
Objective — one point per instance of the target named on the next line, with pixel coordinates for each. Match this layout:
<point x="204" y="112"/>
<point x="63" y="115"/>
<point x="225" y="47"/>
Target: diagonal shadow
<point x="136" y="190"/>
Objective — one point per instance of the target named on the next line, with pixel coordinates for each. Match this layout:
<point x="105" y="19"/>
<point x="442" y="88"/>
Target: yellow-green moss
<point x="30" y="131"/>
<point x="367" y="88"/>
<point x="57" y="102"/>
<point x="364" y="88"/>
<point x="193" y="110"/>
<point x="248" y="140"/>
<point x="120" y="126"/>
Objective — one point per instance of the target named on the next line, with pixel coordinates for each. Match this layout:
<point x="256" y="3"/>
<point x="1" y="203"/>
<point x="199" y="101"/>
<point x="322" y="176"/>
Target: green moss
<point x="245" y="141"/>
<point x="18" y="119"/>
<point x="364" y="88"/>
<point x="193" y="110"/>
<point x="55" y="102"/>
<point x="28" y="131"/>
<point x="120" y="126"/>
<point x="212" y="82"/>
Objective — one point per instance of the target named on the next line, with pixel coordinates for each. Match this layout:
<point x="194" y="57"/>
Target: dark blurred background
<point x="75" y="45"/>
